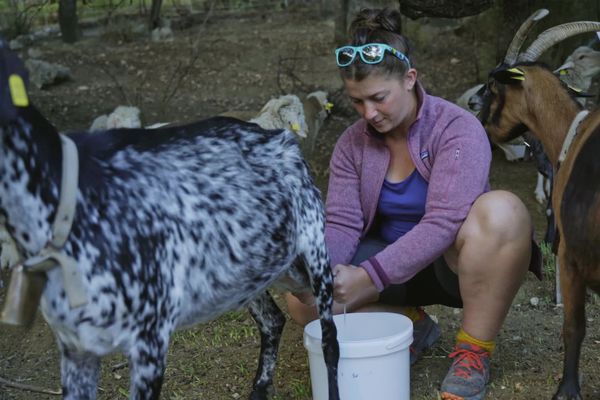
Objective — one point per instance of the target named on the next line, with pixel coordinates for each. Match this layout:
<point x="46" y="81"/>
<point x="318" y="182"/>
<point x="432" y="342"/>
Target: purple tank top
<point x="401" y="206"/>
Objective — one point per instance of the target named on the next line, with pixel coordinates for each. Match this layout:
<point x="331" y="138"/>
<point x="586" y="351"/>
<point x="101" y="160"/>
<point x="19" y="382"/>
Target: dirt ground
<point x="238" y="63"/>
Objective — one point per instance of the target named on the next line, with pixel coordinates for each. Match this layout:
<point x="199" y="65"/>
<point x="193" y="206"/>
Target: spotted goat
<point x="522" y="94"/>
<point x="172" y="227"/>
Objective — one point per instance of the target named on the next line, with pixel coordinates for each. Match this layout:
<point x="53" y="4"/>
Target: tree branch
<point x="29" y="388"/>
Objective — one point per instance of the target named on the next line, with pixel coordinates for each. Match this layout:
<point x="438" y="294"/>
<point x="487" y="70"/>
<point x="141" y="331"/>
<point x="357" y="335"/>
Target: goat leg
<point x="79" y="374"/>
<point x="147" y="362"/>
<point x="573" y="292"/>
<point x="270" y="321"/>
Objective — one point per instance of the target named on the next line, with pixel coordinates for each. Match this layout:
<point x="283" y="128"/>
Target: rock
<point x="43" y="74"/>
<point x="534" y="301"/>
<point x="164" y="34"/>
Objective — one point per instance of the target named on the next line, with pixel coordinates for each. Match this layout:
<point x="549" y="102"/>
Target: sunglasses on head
<point x="370" y="53"/>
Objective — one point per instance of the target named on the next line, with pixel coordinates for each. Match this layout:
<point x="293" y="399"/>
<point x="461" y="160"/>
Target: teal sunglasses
<point x="370" y="53"/>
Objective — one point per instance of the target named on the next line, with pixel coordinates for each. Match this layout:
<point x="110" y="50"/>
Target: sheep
<point x="464" y="99"/>
<point x="284" y="112"/>
<point x="522" y="94"/>
<point x="579" y="68"/>
<point x="304" y="117"/>
<point x="316" y="109"/>
<point x="155" y="230"/>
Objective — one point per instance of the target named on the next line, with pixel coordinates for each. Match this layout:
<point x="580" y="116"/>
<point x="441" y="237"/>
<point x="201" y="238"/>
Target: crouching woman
<point x="410" y="217"/>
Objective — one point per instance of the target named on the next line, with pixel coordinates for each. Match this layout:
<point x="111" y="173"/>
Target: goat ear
<point x="509" y="76"/>
<point x="14" y="80"/>
<point x="577" y="92"/>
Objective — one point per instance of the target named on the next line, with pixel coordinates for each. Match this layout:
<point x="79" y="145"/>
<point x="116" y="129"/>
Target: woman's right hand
<point x="353" y="285"/>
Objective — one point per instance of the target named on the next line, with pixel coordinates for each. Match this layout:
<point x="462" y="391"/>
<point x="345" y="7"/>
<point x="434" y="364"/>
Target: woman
<point x="410" y="218"/>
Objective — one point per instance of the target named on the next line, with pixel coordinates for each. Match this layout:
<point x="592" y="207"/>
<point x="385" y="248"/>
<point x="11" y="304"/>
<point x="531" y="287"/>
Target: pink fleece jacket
<point x="449" y="148"/>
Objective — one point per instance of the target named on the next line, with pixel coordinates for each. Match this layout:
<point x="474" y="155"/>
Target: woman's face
<point x="385" y="102"/>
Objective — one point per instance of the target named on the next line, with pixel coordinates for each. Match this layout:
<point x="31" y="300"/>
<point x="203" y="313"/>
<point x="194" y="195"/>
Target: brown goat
<point x="521" y="95"/>
<point x="529" y="96"/>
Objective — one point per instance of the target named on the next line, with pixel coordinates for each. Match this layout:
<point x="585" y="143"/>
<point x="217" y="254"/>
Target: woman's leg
<point x="491" y="256"/>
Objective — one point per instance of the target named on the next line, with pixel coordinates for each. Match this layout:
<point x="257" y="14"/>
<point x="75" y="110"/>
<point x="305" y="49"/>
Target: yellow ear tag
<point x="296" y="127"/>
<point x="563" y="72"/>
<point x="516" y="71"/>
<point x="328" y="106"/>
<point x="520" y="75"/>
<point x="17" y="91"/>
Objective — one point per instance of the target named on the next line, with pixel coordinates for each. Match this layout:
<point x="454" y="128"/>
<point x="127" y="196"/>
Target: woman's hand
<point x="352" y="284"/>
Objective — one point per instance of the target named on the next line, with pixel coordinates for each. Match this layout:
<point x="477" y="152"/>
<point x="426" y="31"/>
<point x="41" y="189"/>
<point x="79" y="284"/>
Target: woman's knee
<point x="499" y="214"/>
<point x="300" y="313"/>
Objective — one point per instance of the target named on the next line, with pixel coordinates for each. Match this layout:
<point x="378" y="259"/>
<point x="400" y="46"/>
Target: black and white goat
<point x="520" y="95"/>
<point x="172" y="227"/>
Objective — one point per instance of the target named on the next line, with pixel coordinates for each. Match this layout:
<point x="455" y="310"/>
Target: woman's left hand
<point x="352" y="283"/>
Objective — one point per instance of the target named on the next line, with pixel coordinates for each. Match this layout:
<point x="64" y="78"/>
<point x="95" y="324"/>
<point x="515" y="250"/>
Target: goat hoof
<point x="561" y="395"/>
<point x="261" y="393"/>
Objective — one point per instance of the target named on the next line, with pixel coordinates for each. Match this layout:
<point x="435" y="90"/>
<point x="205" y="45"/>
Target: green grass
<point x="549" y="261"/>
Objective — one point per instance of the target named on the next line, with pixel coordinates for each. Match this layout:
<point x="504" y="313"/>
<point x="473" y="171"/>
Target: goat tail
<point x="321" y="278"/>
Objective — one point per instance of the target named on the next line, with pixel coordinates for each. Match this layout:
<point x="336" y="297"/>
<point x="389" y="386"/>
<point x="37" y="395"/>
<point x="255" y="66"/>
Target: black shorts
<point x="436" y="284"/>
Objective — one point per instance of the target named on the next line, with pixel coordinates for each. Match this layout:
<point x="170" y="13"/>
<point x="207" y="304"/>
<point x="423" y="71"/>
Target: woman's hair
<point x="377" y="26"/>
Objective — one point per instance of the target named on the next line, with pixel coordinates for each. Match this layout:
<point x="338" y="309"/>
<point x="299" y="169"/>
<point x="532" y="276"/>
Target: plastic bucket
<point x="374" y="356"/>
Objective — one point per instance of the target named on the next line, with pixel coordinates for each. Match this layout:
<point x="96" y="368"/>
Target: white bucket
<point x="374" y="356"/>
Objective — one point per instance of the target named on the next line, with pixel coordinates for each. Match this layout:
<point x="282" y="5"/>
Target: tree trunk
<point x="154" y="21"/>
<point x="443" y="8"/>
<point x="67" y="20"/>
<point x="341" y="23"/>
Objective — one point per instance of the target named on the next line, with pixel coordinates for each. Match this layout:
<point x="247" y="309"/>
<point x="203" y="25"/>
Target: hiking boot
<point x="425" y="333"/>
<point x="468" y="375"/>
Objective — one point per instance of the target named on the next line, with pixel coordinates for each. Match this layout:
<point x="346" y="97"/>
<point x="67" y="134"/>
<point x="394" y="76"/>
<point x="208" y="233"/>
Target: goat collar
<point x="571" y="135"/>
<point x="51" y="255"/>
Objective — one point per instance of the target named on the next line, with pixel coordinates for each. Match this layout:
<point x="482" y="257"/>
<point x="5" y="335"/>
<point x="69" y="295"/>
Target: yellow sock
<point x="464" y="337"/>
<point x="414" y="313"/>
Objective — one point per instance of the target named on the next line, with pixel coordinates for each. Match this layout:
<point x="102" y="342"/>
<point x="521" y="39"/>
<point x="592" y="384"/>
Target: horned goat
<point x="520" y="95"/>
<point x="157" y="230"/>
<point x="512" y="151"/>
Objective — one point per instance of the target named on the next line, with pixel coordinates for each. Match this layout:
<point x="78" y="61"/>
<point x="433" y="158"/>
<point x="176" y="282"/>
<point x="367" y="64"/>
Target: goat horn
<point x="521" y="35"/>
<point x="551" y="36"/>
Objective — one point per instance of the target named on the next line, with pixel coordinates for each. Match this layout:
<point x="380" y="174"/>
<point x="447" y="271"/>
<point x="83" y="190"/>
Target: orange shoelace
<point x="467" y="360"/>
